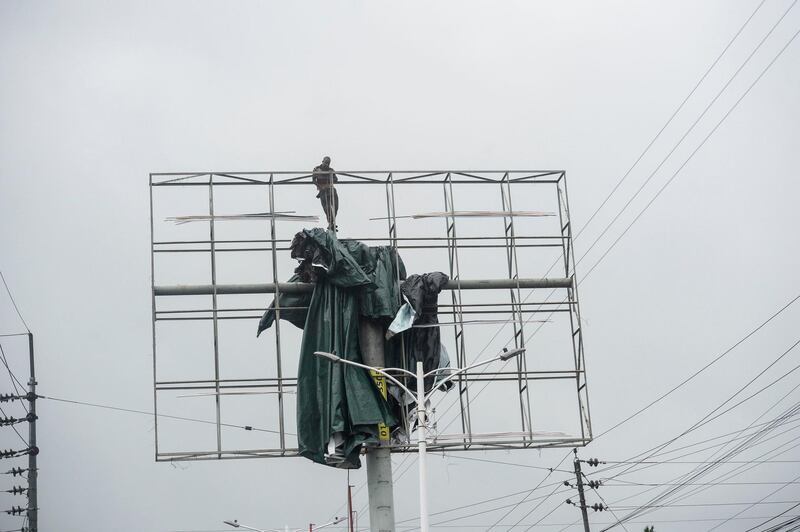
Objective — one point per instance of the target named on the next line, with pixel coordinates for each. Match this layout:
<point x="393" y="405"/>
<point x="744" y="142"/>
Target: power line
<point x="739" y="470"/>
<point x="773" y="518"/>
<point x="759" y="502"/>
<point x="551" y="470"/>
<point x="688" y="159"/>
<point x="664" y="160"/>
<point x="734" y="406"/>
<point x="781" y="419"/>
<point x="627" y="483"/>
<point x="677" y="458"/>
<point x="706" y="419"/>
<point x="706" y="504"/>
<point x="12" y="376"/>
<point x="718" y="358"/>
<point x="16" y="308"/>
<point x="689" y="130"/>
<point x="701" y="370"/>
<point x="693" y="476"/>
<point x="702" y="143"/>
<point x="672" y="178"/>
<point x="15" y="428"/>
<point x="167" y="416"/>
<point x="674" y="114"/>
<point x="480" y="503"/>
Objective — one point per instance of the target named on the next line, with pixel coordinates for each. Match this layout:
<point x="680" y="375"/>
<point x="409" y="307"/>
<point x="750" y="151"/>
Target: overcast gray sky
<point x="95" y="95"/>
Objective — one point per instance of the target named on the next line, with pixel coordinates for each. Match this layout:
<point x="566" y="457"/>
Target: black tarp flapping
<point x="422" y="293"/>
<point x="351" y="280"/>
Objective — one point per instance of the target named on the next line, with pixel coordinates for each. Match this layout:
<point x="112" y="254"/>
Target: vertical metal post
<point x="379" y="459"/>
<point x="422" y="448"/>
<point x="153" y="317"/>
<point x="516" y="307"/>
<point x="574" y="308"/>
<point x="581" y="496"/>
<point x="455" y="275"/>
<point x="391" y="211"/>
<point x="214" y="309"/>
<point x="33" y="472"/>
<point x="279" y="365"/>
<point x="350" y="507"/>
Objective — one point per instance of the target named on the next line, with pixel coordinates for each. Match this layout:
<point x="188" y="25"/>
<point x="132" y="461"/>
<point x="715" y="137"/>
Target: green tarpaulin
<point x="351" y="280"/>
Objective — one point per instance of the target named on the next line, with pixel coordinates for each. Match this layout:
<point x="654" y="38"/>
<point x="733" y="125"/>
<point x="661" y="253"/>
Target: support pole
<point x="349" y="507"/>
<point x="579" y="480"/>
<point x="422" y="445"/>
<point x="33" y="472"/>
<point x="307" y="288"/>
<point x="379" y="459"/>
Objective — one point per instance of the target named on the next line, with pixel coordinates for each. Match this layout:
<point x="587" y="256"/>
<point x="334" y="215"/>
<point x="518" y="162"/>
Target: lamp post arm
<point x="237" y="524"/>
<point x="456" y="373"/>
<point x="334" y="522"/>
<point x="382" y="372"/>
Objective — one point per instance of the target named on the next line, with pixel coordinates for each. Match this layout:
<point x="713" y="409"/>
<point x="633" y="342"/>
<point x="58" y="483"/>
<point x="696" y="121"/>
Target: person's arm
<point x="333" y="178"/>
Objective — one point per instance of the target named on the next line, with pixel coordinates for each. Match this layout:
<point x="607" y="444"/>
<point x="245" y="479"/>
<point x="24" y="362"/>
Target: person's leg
<point x="334" y="206"/>
<point x="327" y="206"/>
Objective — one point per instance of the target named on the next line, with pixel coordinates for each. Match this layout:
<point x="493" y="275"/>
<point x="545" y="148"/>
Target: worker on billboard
<point x="325" y="178"/>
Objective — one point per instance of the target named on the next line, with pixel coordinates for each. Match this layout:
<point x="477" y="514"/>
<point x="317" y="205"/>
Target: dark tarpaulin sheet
<point x="422" y="293"/>
<point x="351" y="280"/>
<point x="380" y="298"/>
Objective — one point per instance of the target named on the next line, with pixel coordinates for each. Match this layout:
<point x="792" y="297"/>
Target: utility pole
<point x="379" y="458"/>
<point x="581" y="497"/>
<point x="349" y="507"/>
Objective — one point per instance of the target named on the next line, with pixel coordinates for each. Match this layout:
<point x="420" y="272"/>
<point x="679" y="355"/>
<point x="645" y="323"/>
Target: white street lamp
<point x="237" y="524"/>
<point x="336" y="521"/>
<point x="311" y="527"/>
<point x="422" y="412"/>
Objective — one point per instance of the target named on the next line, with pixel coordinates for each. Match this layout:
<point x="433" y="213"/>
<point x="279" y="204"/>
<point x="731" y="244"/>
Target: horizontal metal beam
<point x="299" y="288"/>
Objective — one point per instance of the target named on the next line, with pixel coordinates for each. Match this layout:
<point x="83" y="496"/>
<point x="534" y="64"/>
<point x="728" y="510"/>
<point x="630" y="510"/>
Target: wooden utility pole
<point x="581" y="496"/>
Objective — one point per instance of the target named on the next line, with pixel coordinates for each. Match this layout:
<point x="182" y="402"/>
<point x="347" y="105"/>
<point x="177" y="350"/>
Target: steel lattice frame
<point x="392" y="182"/>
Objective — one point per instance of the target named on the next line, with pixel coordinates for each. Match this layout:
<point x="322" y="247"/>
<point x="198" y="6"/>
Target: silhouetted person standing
<point x="325" y="178"/>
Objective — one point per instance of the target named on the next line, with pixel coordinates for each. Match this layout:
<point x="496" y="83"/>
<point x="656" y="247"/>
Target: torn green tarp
<point x="293" y="308"/>
<point x="336" y="401"/>
<point x="380" y="298"/>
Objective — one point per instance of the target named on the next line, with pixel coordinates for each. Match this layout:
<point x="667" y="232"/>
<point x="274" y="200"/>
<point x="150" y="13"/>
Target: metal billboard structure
<point x="212" y="280"/>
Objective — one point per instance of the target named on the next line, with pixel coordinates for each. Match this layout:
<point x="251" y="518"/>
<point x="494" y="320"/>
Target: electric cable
<point x="739" y="470"/>
<point x="550" y="472"/>
<point x="760" y="501"/>
<point x="691" y="156"/>
<point x="778" y="420"/>
<point x="773" y="518"/>
<point x="585" y="276"/>
<point x="479" y="503"/>
<point x="708" y="417"/>
<point x="691" y="128"/>
<point x="12" y="377"/>
<point x="701" y="370"/>
<point x="166" y="416"/>
<point x="642" y="509"/>
<point x="597" y="492"/>
<point x="13" y="302"/>
<point x="634" y="460"/>
<point x="15" y="428"/>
